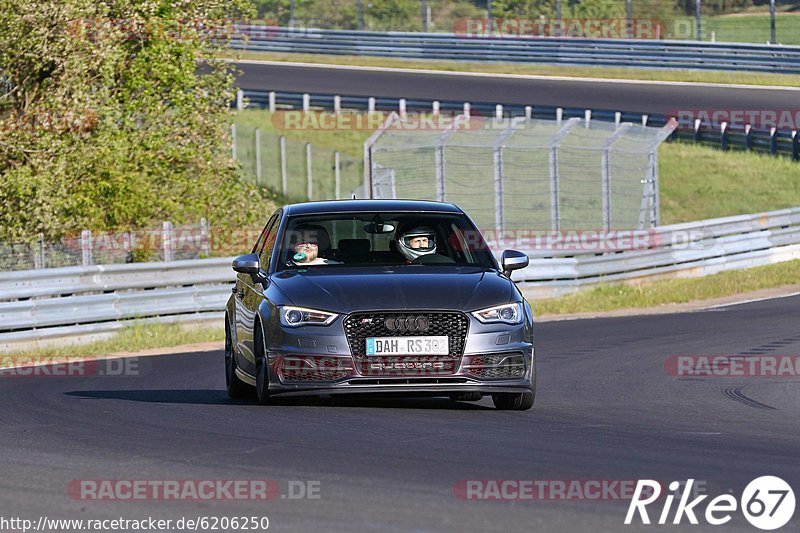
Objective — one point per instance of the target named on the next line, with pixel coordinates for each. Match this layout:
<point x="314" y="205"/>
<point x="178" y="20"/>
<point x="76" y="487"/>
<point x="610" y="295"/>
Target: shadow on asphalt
<point x="219" y="397"/>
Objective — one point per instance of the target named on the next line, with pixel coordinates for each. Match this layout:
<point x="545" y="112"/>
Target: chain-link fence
<point x="298" y="170"/>
<point x="525" y="173"/>
<point x="167" y="243"/>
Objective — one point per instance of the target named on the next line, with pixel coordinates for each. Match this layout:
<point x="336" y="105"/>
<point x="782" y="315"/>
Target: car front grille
<point x="359" y="326"/>
<point x="496" y="366"/>
<point x="313" y="368"/>
<point x="407" y="366"/>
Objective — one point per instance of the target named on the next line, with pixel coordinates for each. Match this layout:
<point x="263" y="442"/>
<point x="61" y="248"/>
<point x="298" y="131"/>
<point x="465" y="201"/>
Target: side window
<point x="259" y="242"/>
<point x="268" y="243"/>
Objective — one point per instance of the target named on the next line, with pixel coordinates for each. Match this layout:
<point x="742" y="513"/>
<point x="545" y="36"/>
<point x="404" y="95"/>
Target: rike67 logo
<point x="767" y="503"/>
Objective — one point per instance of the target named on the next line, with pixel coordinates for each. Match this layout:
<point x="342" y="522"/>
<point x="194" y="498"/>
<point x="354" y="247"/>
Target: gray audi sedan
<point x="378" y="296"/>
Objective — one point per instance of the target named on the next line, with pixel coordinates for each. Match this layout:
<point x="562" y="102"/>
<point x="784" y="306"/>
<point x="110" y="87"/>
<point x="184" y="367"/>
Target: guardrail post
<point x="272" y="104"/>
<point x="337" y="104"/>
<point x="309" y="183"/>
<point x="748" y="139"/>
<point x="498" y="111"/>
<point x="559" y="114"/>
<point x="528" y="112"/>
<point x="723" y="136"/>
<point x="645" y="119"/>
<point x="795" y="146"/>
<point x="284" y="176"/>
<point x="436" y="106"/>
<point x="86" y="247"/>
<point x="617" y="118"/>
<point x="205" y="242"/>
<point x="402" y="108"/>
<point x="258" y="157"/>
<point x="239" y="99"/>
<point x="773" y="141"/>
<point x="697" y="133"/>
<point x="166" y="240"/>
<point x="233" y="141"/>
<point x="371" y="104"/>
<point x="306" y="102"/>
<point x="467" y="109"/>
<point x="337" y="175"/>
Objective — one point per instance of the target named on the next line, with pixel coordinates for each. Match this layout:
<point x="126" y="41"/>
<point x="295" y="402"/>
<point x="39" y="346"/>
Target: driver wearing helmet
<point x="417" y="242"/>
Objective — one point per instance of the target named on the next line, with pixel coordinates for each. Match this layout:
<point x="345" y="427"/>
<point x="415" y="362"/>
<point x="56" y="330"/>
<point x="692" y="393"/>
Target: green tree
<point x="107" y="121"/>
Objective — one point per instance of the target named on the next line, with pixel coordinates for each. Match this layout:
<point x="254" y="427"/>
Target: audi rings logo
<point x="402" y="324"/>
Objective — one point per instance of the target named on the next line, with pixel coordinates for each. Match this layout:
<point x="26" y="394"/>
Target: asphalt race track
<point x="615" y="96"/>
<point x="606" y="410"/>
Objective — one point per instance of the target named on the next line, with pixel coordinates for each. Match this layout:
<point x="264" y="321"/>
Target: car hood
<point x="346" y="290"/>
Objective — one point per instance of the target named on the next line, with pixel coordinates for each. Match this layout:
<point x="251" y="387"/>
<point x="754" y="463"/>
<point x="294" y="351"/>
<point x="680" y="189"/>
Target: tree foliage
<point x="107" y="121"/>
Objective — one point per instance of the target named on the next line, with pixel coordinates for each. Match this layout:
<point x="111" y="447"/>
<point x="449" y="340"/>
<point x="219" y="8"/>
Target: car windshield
<point x="391" y="238"/>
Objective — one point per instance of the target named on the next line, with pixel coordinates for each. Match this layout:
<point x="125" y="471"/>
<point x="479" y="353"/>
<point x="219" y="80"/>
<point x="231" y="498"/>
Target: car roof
<point x="354" y="206"/>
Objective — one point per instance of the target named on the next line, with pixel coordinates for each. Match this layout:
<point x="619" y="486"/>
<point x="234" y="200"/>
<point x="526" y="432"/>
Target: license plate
<point x="408" y="345"/>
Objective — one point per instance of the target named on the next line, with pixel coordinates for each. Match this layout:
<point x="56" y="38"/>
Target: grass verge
<point x="695" y="76"/>
<point x="134" y="338"/>
<point x="613" y="296"/>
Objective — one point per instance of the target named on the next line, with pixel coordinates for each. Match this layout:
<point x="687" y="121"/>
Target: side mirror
<point x="247" y="264"/>
<point x="513" y="260"/>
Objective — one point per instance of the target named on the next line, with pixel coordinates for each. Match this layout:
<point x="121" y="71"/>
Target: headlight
<point x="505" y="314"/>
<point x="300" y="316"/>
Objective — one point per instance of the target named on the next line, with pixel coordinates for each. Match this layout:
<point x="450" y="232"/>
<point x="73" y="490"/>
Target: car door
<point x="251" y="292"/>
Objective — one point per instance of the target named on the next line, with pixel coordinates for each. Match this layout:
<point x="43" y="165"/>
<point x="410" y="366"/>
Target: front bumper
<point x="497" y="358"/>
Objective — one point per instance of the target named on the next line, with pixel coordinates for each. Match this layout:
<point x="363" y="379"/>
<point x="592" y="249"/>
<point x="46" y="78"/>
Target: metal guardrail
<point x="78" y="301"/>
<point x="549" y="51"/>
<point x="766" y="141"/>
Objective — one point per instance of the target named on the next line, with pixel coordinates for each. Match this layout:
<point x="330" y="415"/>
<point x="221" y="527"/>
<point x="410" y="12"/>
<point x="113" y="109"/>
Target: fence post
<point x="205" y="242"/>
<point x="86" y="247"/>
<point x="337" y="175"/>
<point x="233" y="141"/>
<point x="309" y="190"/>
<point x="272" y="105"/>
<point x="39" y="253"/>
<point x="166" y="240"/>
<point x="284" y="177"/>
<point x="440" y="189"/>
<point x="258" y="157"/>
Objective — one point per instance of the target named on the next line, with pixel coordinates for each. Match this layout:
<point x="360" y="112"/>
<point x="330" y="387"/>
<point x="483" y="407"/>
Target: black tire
<point x="262" y="368"/>
<point x="237" y="389"/>
<point x="514" y="402"/>
<point x="466" y="396"/>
